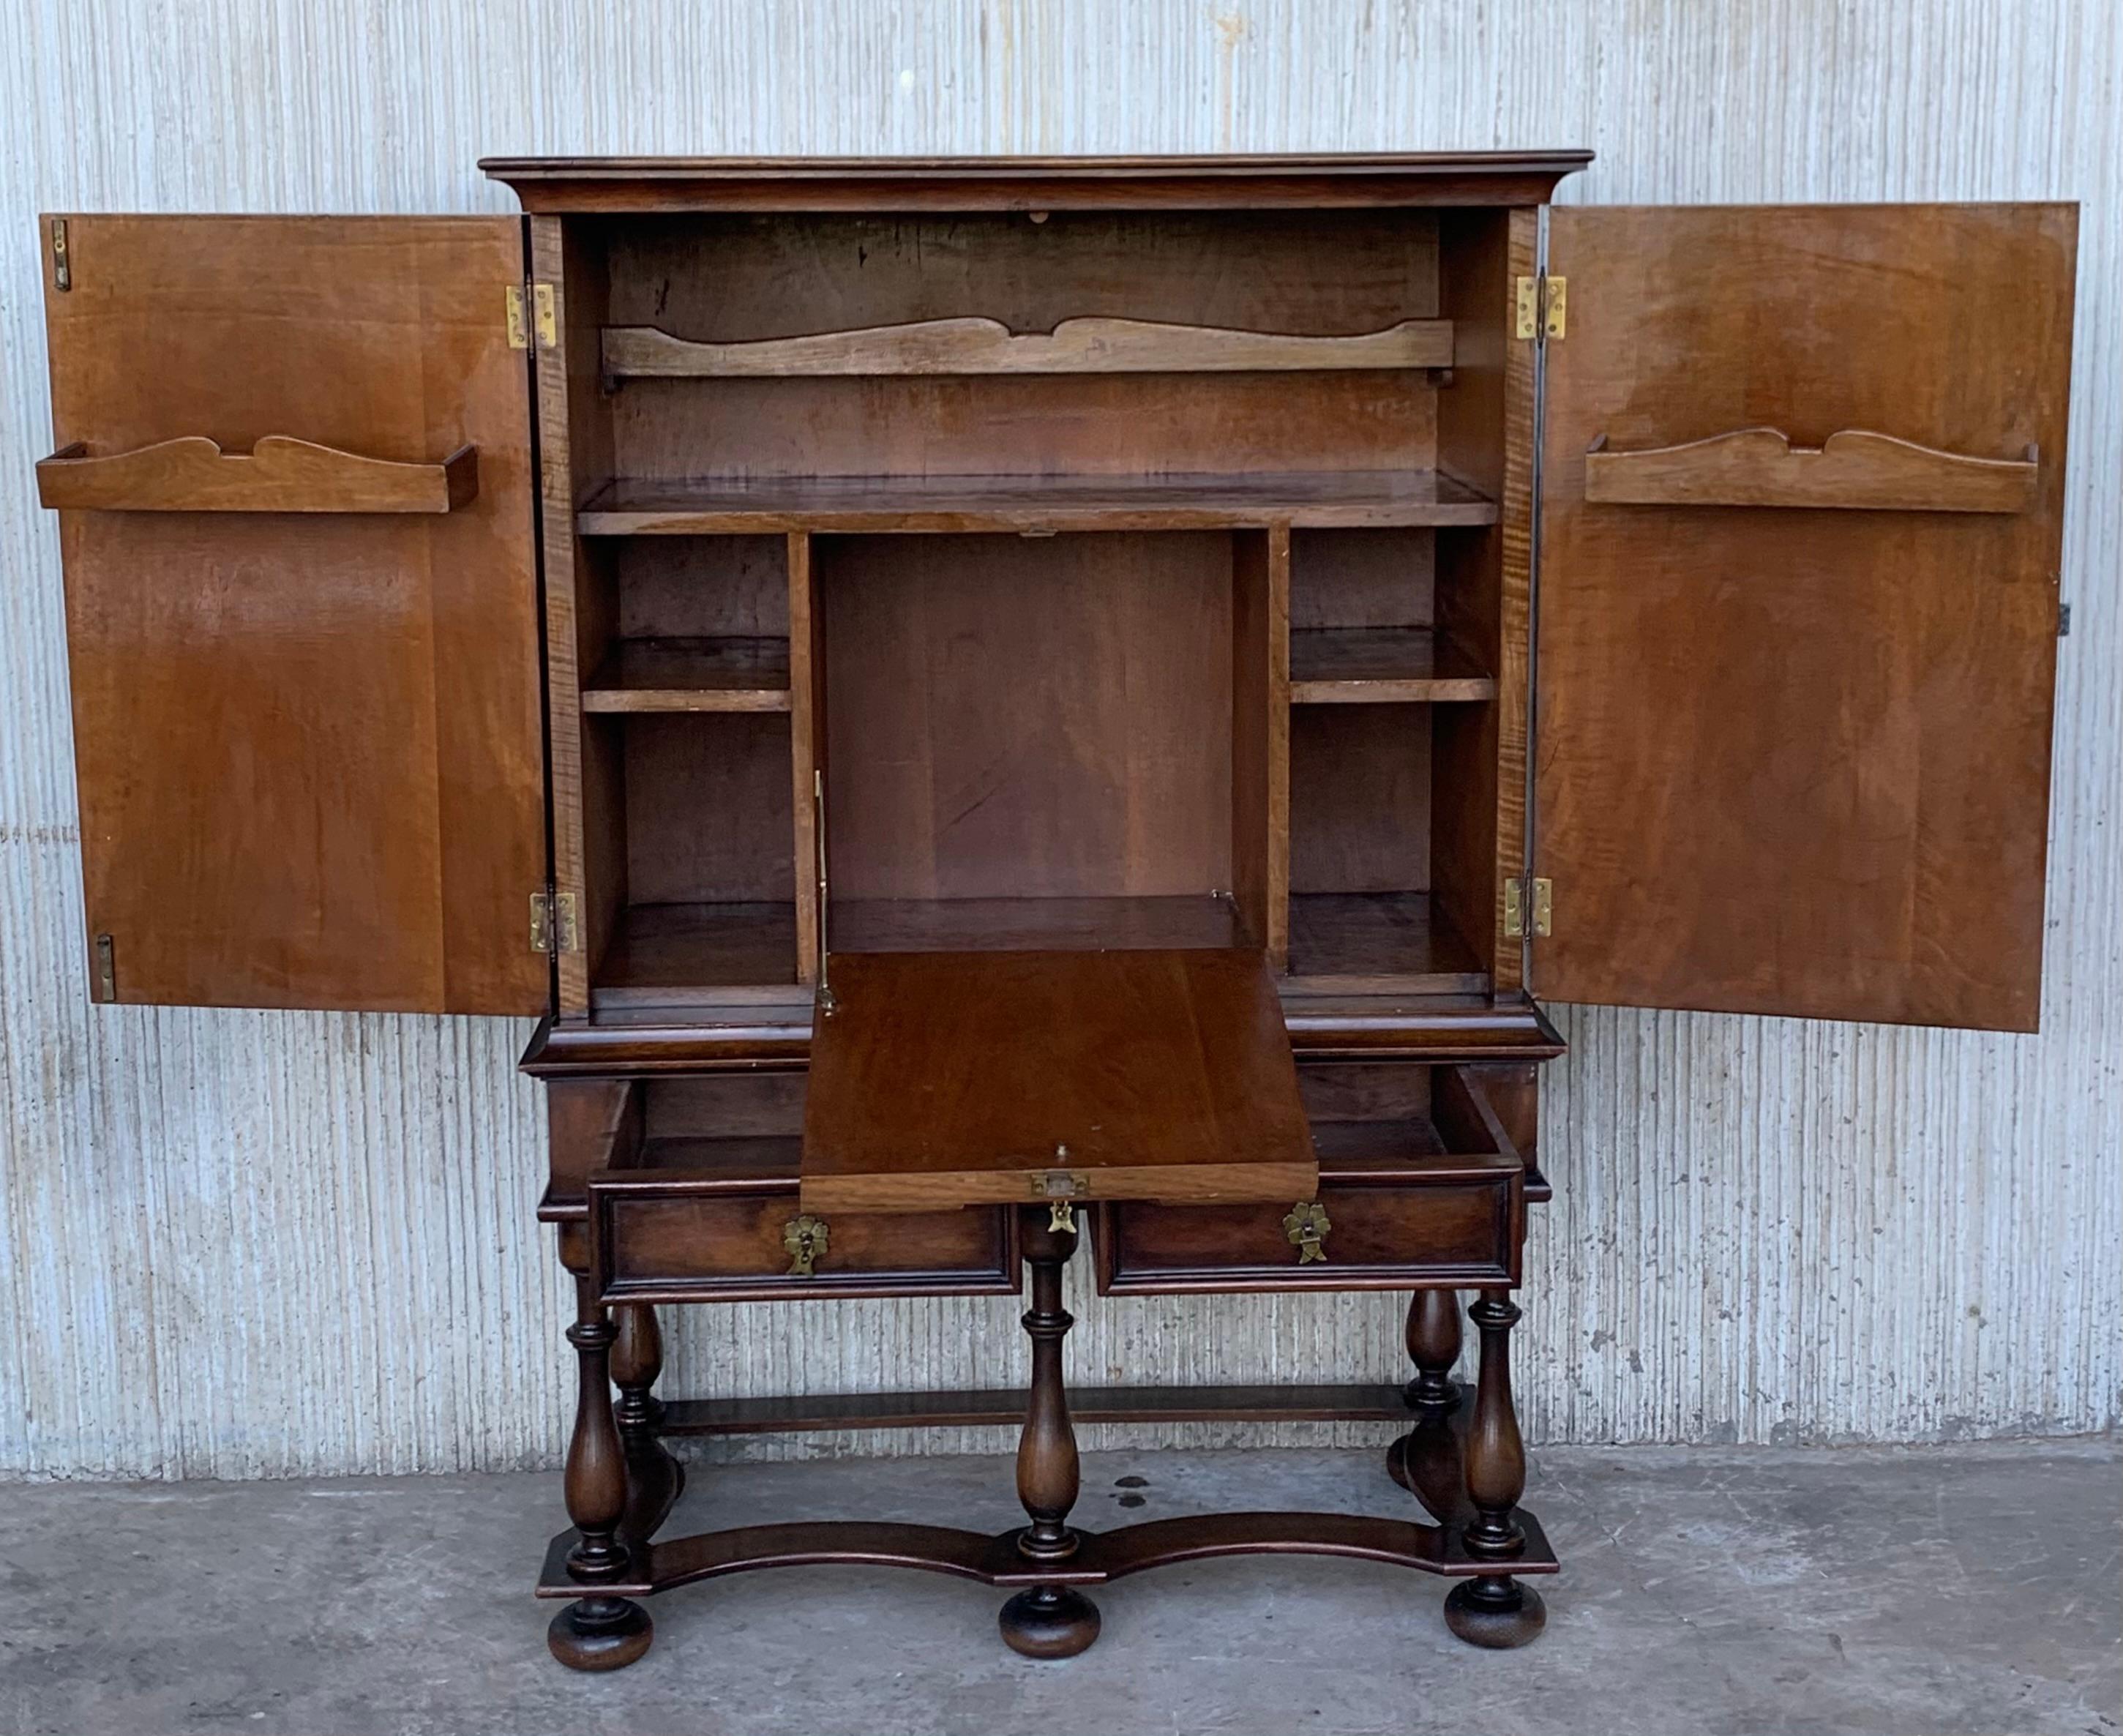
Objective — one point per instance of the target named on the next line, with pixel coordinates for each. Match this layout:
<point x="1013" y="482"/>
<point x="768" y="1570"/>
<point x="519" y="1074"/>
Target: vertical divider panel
<point x="1484" y="439"/>
<point x="574" y="438"/>
<point x="1260" y="737"/>
<point x="807" y="744"/>
<point x="1515" y="662"/>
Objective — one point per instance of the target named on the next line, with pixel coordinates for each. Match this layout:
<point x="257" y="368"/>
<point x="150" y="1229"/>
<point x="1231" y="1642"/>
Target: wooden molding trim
<point x="1759" y="466"/>
<point x="279" y="474"/>
<point x="975" y="344"/>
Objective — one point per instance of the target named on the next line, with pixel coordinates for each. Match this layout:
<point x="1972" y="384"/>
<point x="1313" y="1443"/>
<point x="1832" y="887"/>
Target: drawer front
<point x="735" y="1247"/>
<point x="1465" y="1231"/>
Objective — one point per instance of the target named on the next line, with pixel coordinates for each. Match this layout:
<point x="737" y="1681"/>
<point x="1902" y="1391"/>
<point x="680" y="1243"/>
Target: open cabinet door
<point x="305" y="666"/>
<point x="1792" y="749"/>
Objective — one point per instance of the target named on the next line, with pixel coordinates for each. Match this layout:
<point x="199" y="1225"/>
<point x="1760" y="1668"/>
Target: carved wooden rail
<point x="994" y="1559"/>
<point x="978" y="345"/>
<point x="1759" y="466"/>
<point x="278" y="475"/>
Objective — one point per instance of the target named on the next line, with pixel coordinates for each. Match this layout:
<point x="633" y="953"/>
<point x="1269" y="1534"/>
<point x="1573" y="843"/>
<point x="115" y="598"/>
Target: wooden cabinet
<point x="971" y="693"/>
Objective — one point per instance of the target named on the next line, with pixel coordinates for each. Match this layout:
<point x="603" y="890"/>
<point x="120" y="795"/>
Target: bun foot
<point x="600" y="1634"/>
<point x="1049" y="1622"/>
<point x="1496" y="1614"/>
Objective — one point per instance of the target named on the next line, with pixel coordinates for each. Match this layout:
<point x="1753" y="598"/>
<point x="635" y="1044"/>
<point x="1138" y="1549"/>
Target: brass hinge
<point x="107" y="969"/>
<point x="1542" y="306"/>
<point x="1514" y="903"/>
<point x="543" y="317"/>
<point x="62" y="267"/>
<point x="553" y="922"/>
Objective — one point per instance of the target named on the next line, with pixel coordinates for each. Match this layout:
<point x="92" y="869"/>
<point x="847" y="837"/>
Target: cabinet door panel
<point x="306" y="740"/>
<point x="1793" y="731"/>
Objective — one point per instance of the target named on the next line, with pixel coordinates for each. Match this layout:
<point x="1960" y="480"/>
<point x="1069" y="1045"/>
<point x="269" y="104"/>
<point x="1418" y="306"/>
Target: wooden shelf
<point x="691" y="675"/>
<point x="1004" y="1407"/>
<point x="1377" y="942"/>
<point x="634" y="507"/>
<point x="677" y="955"/>
<point x="1381" y="665"/>
<point x="977" y="345"/>
<point x="746" y="1160"/>
<point x="1031" y="925"/>
<point x="699" y="955"/>
<point x="278" y="474"/>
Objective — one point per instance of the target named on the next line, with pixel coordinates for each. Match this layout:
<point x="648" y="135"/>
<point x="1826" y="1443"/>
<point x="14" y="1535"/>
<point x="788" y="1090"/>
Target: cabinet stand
<point x="1461" y="1461"/>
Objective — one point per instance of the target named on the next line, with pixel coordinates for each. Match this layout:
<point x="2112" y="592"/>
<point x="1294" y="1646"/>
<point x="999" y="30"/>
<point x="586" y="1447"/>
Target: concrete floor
<point x="1707" y="1590"/>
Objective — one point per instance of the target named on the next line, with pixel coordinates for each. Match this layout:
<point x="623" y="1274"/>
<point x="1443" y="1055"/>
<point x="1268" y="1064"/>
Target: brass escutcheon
<point x="1058" y="1188"/>
<point x="1306" y="1225"/>
<point x="805" y="1239"/>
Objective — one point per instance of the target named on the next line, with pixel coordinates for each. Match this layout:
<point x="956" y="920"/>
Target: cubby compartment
<point x="1392" y="695"/>
<point x="1028" y="741"/>
<point x="1364" y="628"/>
<point x="688" y="770"/>
<point x="696" y="624"/>
<point x="709" y="871"/>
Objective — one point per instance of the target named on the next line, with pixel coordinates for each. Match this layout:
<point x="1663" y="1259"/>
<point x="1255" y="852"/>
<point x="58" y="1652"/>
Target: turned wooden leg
<point x="1426" y="1460"/>
<point x="1494" y="1609"/>
<point x="1433" y="1346"/>
<point x="597" y="1633"/>
<point x="654" y="1480"/>
<point x="1048" y="1621"/>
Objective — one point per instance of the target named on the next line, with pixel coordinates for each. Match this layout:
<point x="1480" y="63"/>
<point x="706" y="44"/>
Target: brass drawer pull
<point x="805" y="1238"/>
<point x="1306" y="1225"/>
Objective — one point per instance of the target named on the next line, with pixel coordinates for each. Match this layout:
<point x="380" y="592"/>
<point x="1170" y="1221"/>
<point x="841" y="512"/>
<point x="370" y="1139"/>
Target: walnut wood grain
<point x="807" y="754"/>
<point x="974" y="344"/>
<point x="1793" y="762"/>
<point x="1020" y="718"/>
<point x="691" y="675"/>
<point x="1382" y="666"/>
<point x="279" y="474"/>
<point x="1378" y="943"/>
<point x="681" y="954"/>
<point x="1408" y="1203"/>
<point x="1001" y="1406"/>
<point x="585" y="782"/>
<point x="946" y="1079"/>
<point x="643" y="506"/>
<point x="1852" y="470"/>
<point x="1260" y="739"/>
<point x="1033" y="184"/>
<point x="667" y="1564"/>
<point x="307" y="744"/>
<point x="1034" y="925"/>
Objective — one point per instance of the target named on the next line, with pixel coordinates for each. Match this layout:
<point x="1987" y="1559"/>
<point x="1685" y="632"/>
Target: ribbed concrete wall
<point x="250" y="1244"/>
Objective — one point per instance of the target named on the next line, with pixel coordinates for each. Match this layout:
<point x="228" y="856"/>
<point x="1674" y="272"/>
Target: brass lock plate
<point x="1305" y="1227"/>
<point x="804" y="1238"/>
<point x="1060" y="1188"/>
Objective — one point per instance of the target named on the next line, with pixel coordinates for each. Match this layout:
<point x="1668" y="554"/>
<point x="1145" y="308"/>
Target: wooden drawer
<point x="1434" y="1195"/>
<point x="672" y="1235"/>
<point x="689" y="1194"/>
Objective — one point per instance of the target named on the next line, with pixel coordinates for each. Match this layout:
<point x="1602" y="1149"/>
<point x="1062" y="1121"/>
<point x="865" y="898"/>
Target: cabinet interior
<point x="1158" y="631"/>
